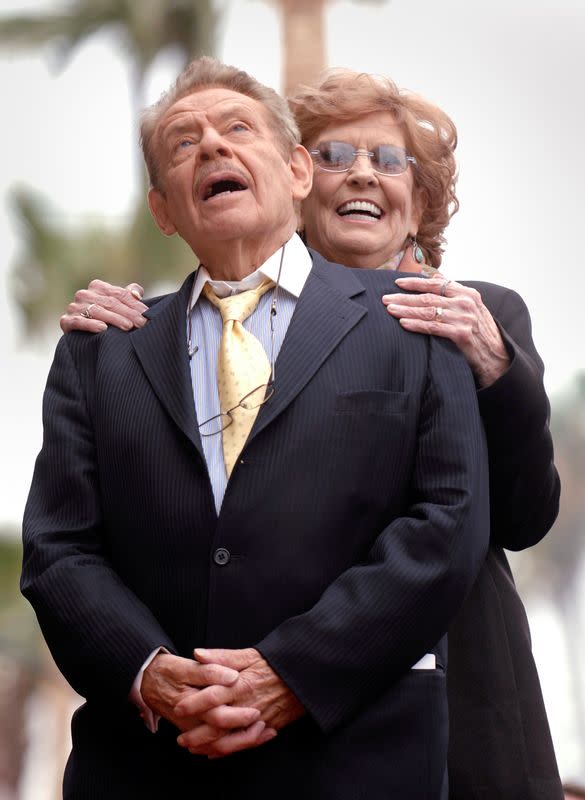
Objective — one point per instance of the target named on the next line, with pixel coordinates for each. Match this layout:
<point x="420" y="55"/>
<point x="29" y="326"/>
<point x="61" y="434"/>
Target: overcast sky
<point x="509" y="72"/>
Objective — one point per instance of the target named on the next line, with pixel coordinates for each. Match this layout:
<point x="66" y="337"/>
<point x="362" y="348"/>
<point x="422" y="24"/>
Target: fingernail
<point x="269" y="734"/>
<point x="392" y="306"/>
<point x="200" y="652"/>
<point x="136" y="294"/>
<point x="231" y="674"/>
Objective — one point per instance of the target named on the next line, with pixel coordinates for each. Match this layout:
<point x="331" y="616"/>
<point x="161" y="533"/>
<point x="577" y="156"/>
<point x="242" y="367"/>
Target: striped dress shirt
<point x="206" y="328"/>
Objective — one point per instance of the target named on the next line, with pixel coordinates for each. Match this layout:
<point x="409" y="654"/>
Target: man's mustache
<point x="218" y="165"/>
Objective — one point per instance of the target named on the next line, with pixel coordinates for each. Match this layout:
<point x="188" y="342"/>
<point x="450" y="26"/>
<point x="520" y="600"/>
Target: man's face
<point x="224" y="175"/>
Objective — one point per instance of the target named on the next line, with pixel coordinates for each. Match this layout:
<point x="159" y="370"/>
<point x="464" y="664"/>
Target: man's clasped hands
<point x="223" y="701"/>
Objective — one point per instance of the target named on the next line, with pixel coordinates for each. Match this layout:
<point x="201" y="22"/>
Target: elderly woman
<point x="383" y="193"/>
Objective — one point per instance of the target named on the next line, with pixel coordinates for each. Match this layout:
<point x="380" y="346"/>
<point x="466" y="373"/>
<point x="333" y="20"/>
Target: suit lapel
<point x="161" y="347"/>
<point x="324" y="314"/>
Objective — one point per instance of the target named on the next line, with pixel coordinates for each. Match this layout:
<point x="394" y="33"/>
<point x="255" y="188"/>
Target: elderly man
<point x="271" y="470"/>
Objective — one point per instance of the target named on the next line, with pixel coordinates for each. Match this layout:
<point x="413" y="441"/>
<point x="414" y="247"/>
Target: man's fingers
<point x="205" y="741"/>
<point x="240" y="740"/>
<point x="227" y="717"/>
<point x="186" y="672"/>
<point x="199" y="736"/>
<point x="196" y="704"/>
<point x="223" y="718"/>
<point x="208" y="675"/>
<point x="236" y="659"/>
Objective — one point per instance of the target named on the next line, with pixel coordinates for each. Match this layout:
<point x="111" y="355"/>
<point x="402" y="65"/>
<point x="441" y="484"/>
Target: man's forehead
<point x="214" y="101"/>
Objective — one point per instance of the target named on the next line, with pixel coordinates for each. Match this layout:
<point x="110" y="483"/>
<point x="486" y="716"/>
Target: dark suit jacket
<point x="500" y="744"/>
<point x="356" y="520"/>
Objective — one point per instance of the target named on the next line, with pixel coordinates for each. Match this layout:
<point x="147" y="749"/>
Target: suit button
<point x="221" y="556"/>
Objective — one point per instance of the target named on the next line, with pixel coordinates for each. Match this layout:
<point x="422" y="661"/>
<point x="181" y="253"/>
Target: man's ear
<point x="157" y="203"/>
<point x="301" y="165"/>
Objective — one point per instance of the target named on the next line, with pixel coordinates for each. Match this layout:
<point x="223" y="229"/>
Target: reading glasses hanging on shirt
<point x="250" y="402"/>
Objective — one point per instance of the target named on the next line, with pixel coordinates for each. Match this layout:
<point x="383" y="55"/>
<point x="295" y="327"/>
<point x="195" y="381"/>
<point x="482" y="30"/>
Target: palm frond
<point x="56" y="260"/>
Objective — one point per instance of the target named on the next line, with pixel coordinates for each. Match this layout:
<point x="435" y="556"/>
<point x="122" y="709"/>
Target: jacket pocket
<point x="372" y="402"/>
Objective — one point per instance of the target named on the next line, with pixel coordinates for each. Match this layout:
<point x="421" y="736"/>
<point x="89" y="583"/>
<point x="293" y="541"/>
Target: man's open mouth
<point x="223" y="186"/>
<point x="360" y="208"/>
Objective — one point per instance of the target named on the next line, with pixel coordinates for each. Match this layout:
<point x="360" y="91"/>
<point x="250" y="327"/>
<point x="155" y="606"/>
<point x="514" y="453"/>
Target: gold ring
<point x="86" y="312"/>
<point x="444" y="287"/>
<point x="438" y="313"/>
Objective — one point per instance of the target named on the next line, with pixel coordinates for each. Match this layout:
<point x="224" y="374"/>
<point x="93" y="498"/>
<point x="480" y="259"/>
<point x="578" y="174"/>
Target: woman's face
<point x="365" y="236"/>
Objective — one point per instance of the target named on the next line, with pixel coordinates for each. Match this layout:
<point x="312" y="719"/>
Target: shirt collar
<point x="296" y="265"/>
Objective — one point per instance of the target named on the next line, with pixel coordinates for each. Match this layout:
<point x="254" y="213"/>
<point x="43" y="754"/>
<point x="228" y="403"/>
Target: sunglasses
<point x="387" y="159"/>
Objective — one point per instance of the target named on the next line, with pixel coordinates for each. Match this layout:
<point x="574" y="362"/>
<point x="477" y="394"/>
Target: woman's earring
<point x="417" y="252"/>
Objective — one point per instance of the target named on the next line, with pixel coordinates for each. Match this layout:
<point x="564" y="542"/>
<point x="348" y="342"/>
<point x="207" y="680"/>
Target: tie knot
<point x="237" y="307"/>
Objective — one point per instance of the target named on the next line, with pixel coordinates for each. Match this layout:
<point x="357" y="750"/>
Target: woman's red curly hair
<point x="431" y="137"/>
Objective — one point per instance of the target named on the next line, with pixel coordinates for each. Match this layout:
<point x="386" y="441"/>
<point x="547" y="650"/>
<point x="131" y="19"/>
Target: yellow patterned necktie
<point x="242" y="366"/>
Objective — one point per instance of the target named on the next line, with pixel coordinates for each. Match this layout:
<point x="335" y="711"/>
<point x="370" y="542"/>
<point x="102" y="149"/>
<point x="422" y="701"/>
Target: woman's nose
<point x="361" y="171"/>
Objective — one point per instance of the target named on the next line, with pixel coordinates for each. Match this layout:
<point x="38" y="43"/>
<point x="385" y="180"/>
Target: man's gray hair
<point x="205" y="73"/>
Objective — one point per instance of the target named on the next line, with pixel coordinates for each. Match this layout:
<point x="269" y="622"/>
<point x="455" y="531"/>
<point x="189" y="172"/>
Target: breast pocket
<point x="371" y="445"/>
<point x="373" y="403"/>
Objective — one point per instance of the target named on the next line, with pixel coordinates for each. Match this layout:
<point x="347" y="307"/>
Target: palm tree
<point x="303" y="37"/>
<point x="146" y="29"/>
<point x="56" y="261"/>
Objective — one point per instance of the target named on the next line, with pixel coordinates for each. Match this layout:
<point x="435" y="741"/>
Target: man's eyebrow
<point x="186" y="123"/>
<point x="178" y="126"/>
<point x="238" y="109"/>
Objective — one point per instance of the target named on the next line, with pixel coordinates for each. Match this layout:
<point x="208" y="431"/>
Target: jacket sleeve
<point x="524" y="484"/>
<point x="98" y="631"/>
<point x="382" y="614"/>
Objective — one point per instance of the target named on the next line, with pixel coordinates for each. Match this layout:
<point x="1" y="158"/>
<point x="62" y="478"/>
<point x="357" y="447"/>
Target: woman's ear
<point x="157" y="203"/>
